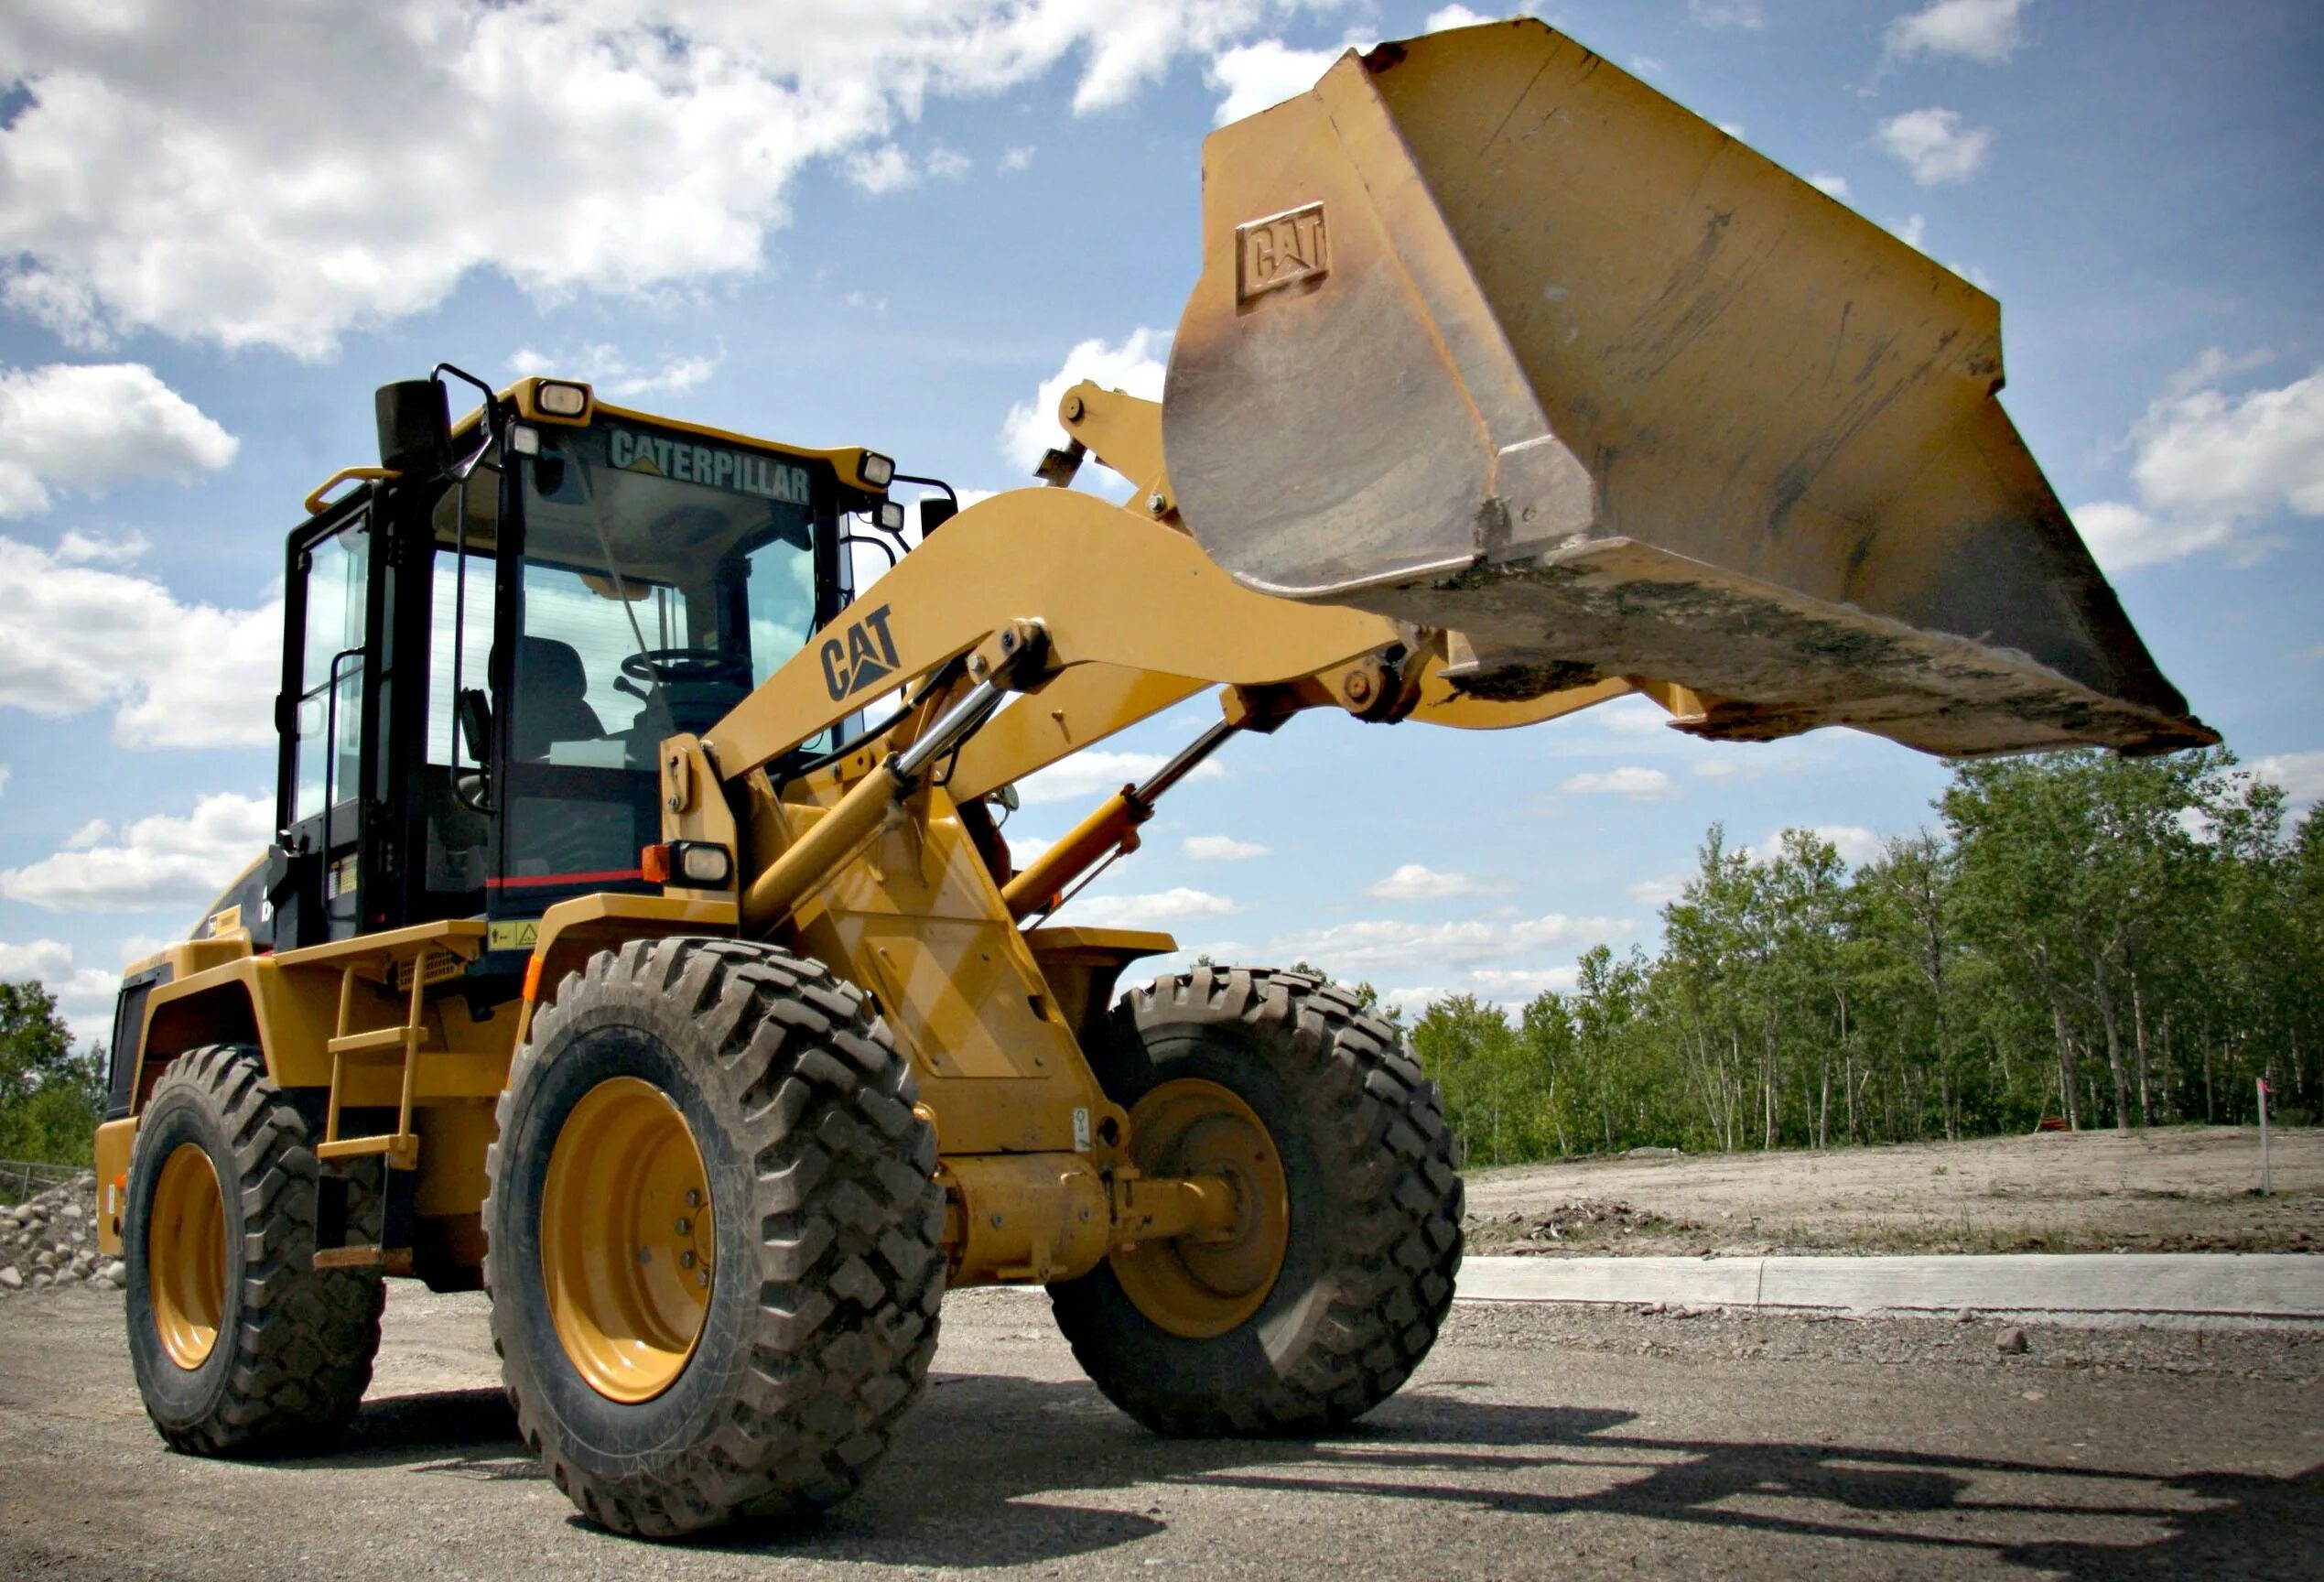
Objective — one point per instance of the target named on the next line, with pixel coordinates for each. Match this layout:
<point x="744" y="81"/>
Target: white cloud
<point x="1161" y="907"/>
<point x="2210" y="468"/>
<point x="1221" y="849"/>
<point x="162" y="862"/>
<point x="1086" y="776"/>
<point x="1525" y="981"/>
<point x="73" y="638"/>
<point x="1014" y="160"/>
<point x="610" y="372"/>
<point x="1912" y="230"/>
<point x="258" y="173"/>
<point x="90" y="427"/>
<point x="1638" y="784"/>
<point x="1727" y="14"/>
<point x="1855" y="844"/>
<point x="2123" y="538"/>
<point x="1985" y="30"/>
<point x="1648" y="65"/>
<point x="2301" y="774"/>
<point x="1412" y="1001"/>
<point x="5" y="773"/>
<point x="1936" y="146"/>
<point x="1135" y="367"/>
<point x="1023" y="849"/>
<point x="1831" y="186"/>
<point x="84" y="995"/>
<point x="1462" y="16"/>
<point x="889" y="168"/>
<point x="85" y="548"/>
<point x="1255" y="77"/>
<point x="1660" y="891"/>
<point x="43" y="958"/>
<point x="1413" y="882"/>
<point x="1376" y="948"/>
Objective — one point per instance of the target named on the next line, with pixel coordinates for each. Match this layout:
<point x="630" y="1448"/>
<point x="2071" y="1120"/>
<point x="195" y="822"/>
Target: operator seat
<point x="552" y="699"/>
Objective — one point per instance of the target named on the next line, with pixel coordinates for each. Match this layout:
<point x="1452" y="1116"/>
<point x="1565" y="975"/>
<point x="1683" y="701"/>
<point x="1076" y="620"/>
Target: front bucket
<point x="1493" y="338"/>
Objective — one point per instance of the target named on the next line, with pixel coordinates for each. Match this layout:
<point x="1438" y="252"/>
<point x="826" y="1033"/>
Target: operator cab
<point x="488" y="640"/>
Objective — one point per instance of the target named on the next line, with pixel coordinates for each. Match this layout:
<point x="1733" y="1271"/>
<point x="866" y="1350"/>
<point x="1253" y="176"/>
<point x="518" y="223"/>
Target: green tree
<point x="50" y="1096"/>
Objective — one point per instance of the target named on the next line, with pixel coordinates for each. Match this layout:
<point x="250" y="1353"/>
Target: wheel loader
<point x="641" y="944"/>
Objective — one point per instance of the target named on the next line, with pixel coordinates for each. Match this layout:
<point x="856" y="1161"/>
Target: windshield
<point x="664" y="576"/>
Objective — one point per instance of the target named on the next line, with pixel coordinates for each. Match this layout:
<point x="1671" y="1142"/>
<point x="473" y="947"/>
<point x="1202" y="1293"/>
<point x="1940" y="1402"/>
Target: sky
<point x="909" y="225"/>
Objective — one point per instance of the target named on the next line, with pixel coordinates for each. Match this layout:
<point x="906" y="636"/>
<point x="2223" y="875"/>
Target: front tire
<point x="1299" y="1322"/>
<point x="240" y="1345"/>
<point x="714" y="1236"/>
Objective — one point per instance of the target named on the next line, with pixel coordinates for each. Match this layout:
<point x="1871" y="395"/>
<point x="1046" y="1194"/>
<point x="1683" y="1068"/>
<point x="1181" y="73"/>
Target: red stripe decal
<point x="535" y="881"/>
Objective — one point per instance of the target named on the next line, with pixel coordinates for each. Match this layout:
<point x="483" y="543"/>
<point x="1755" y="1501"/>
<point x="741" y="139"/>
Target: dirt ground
<point x="1575" y="1443"/>
<point x="2182" y="1189"/>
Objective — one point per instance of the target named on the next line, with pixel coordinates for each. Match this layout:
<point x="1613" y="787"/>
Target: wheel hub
<point x="186" y="1256"/>
<point x="1203" y="1285"/>
<point x="627" y="1239"/>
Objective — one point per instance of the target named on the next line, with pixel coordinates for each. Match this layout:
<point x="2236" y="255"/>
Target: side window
<point x="330" y="701"/>
<point x="475" y="646"/>
<point x="781" y="604"/>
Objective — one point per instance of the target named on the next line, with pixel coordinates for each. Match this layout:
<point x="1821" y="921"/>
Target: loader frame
<point x="406" y="1033"/>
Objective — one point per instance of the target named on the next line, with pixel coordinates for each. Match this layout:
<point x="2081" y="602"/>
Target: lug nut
<point x="703" y="1279"/>
<point x="687" y="1258"/>
<point x="684" y="1227"/>
<point x="693" y="1199"/>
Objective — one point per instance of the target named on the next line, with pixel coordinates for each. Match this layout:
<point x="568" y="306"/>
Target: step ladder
<point x="403" y="1043"/>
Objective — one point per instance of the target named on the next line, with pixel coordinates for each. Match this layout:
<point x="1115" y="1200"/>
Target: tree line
<point x="2084" y="941"/>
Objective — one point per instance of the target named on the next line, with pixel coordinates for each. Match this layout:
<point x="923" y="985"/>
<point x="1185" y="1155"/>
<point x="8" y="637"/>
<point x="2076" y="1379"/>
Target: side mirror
<point x="1004" y="796"/>
<point x="475" y="714"/>
<point x="934" y="512"/>
<point x="415" y="428"/>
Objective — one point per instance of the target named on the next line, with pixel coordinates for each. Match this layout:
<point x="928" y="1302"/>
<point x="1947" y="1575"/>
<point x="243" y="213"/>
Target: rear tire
<point x="773" y="1386"/>
<point x="239" y="1344"/>
<point x="1374" y="1213"/>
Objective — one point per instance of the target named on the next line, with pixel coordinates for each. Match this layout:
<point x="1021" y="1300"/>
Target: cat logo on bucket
<point x="865" y="657"/>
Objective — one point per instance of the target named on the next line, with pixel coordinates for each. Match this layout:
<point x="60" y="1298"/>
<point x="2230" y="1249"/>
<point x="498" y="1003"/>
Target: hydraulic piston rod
<point x="851" y="821"/>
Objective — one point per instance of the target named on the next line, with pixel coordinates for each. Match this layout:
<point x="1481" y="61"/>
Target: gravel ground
<point x="2178" y="1189"/>
<point x="1568" y="1442"/>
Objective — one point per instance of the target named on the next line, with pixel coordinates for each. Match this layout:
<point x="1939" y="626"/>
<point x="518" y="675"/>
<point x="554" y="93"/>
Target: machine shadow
<point x="997" y="1470"/>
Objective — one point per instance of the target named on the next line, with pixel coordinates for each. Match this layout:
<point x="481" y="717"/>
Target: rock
<point x="44" y="1260"/>
<point x="10" y="1279"/>
<point x="2012" y="1343"/>
<point x="40" y="1280"/>
<point x="72" y="1211"/>
<point x="1964" y="1316"/>
<point x="116" y="1274"/>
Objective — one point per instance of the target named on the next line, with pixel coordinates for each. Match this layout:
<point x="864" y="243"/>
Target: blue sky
<point x="894" y="224"/>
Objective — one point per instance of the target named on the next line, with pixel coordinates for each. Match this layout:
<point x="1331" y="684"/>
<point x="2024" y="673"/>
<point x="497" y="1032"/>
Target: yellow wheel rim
<point x="1201" y="1287"/>
<point x="626" y="1239"/>
<point x="186" y="1256"/>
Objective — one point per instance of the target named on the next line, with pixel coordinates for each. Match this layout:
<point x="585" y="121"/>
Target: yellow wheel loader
<point x="641" y="944"/>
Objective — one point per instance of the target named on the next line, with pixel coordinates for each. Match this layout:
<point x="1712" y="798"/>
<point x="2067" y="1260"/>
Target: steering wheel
<point x="686" y="666"/>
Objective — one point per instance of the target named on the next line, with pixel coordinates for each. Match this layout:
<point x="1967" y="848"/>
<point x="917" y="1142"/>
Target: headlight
<point x="557" y="398"/>
<point x="878" y="470"/>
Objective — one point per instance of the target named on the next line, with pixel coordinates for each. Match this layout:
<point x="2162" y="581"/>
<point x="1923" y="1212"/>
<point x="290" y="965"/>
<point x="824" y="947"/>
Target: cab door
<point x="325" y="713"/>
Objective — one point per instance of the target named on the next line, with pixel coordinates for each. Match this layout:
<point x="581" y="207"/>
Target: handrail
<point x="316" y="501"/>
